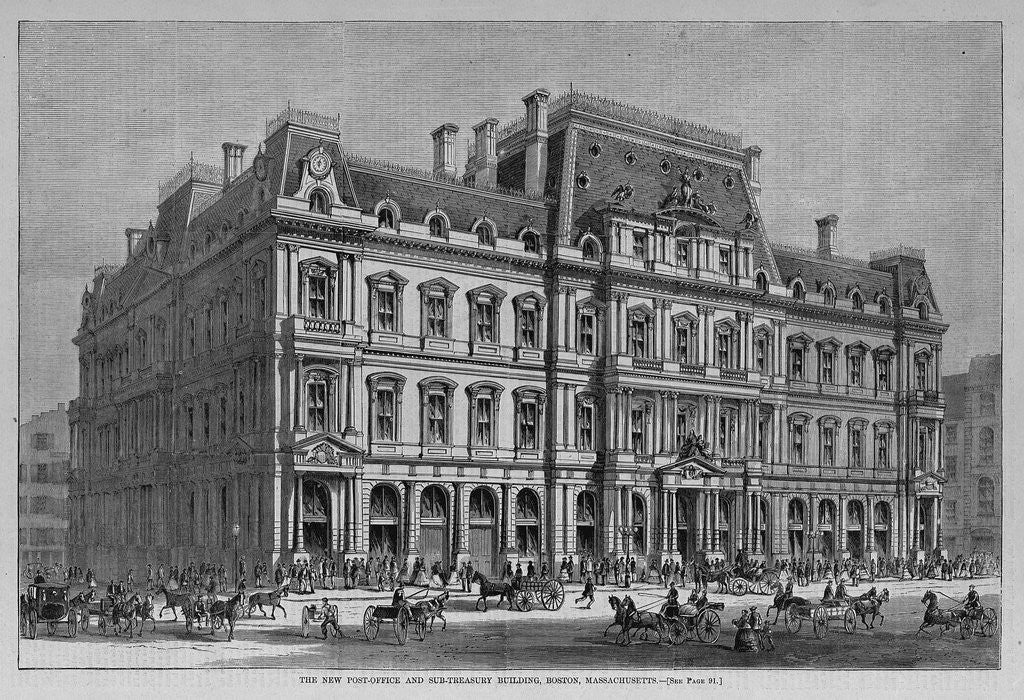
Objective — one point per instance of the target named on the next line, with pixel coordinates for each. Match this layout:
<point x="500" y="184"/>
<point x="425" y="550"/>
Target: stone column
<point x="658" y="346"/>
<point x="717" y="535"/>
<point x="869" y="523"/>
<point x="916" y="538"/>
<point x="299" y="535"/>
<point x="658" y="420"/>
<point x="673" y="526"/>
<point x="935" y="522"/>
<point x="702" y="518"/>
<point x="938" y="522"/>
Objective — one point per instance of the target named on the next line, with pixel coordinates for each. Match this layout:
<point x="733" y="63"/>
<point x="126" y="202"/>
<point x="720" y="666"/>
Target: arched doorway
<point x="384" y="521"/>
<point x="434" y="527"/>
<point x="483" y="531"/>
<point x="883" y="528"/>
<point x="316" y="518"/>
<point x="796" y="529"/>
<point x="855" y="529"/>
<point x="586" y="523"/>
<point x="686" y="528"/>
<point x="827" y="529"/>
<point x="639" y="543"/>
<point x="528" y="524"/>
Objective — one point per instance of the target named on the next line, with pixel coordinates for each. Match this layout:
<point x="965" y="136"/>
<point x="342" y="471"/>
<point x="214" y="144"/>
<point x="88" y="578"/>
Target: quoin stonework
<point x="581" y="340"/>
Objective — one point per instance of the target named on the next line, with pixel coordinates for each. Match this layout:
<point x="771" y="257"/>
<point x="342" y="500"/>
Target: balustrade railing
<point x="321" y="325"/>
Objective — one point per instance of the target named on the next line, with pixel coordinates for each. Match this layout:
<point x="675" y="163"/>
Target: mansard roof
<point x="844" y="274"/>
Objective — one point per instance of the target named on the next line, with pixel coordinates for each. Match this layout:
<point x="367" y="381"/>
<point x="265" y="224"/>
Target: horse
<point x="934" y="615"/>
<point x="433" y="608"/>
<point x="873" y="606"/>
<point x="81" y="602"/>
<point x="722" y="577"/>
<point x="782" y="601"/>
<point x="227" y="611"/>
<point x="620" y="614"/>
<point x="488" y="589"/>
<point x="123" y="614"/>
<point x="175" y="599"/>
<point x="145" y="610"/>
<point x="273" y="599"/>
<point x="641" y="620"/>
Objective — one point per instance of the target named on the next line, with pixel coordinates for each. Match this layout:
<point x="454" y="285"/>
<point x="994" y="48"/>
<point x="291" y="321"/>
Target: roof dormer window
<point x="386" y="218"/>
<point x="485" y="234"/>
<point x="319" y="202"/>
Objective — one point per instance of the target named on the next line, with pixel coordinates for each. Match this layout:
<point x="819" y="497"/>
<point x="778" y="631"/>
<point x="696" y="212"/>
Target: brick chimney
<point x="444" y="149"/>
<point x="752" y="170"/>
<point x="233" y="153"/>
<point x="486" y="161"/>
<point x="536" y="139"/>
<point x="828" y="236"/>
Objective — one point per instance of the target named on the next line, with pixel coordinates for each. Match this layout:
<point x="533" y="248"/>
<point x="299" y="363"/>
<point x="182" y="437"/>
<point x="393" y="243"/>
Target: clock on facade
<point x="319" y="164"/>
<point x="259" y="166"/>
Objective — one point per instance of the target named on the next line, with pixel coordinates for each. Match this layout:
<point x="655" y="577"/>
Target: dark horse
<point x="620" y="614"/>
<point x="176" y="599"/>
<point x="488" y="589"/>
<point x="639" y="620"/>
<point x="273" y="599"/>
<point x="782" y="601"/>
<point x="871" y="606"/>
<point x="226" y="611"/>
<point x="124" y="614"/>
<point x="430" y="609"/>
<point x="934" y="615"/>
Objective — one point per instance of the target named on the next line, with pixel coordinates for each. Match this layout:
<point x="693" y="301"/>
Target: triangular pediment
<point x="326" y="449"/>
<point x="692" y="468"/>
<point x="930" y="475"/>
<point x="928" y="483"/>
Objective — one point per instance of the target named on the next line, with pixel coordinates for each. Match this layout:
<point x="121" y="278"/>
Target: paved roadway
<point x="502" y="639"/>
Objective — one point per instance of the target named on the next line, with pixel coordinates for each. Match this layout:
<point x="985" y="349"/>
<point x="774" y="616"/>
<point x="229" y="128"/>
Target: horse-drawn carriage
<point x="405" y="614"/>
<point x="969" y="621"/>
<point x="49" y="604"/>
<point x="313" y="615"/>
<point x="702" y="623"/>
<point x="740" y="581"/>
<point x="550" y="594"/>
<point x="978" y="621"/>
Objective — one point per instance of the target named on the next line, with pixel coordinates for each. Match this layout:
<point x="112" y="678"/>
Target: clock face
<point x="319" y="164"/>
<point x="260" y="168"/>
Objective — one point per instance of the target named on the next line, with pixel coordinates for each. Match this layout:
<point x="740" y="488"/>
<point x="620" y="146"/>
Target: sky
<point x="894" y="127"/>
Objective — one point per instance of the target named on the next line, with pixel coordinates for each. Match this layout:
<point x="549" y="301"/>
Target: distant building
<point x="972" y="459"/>
<point x="43" y="462"/>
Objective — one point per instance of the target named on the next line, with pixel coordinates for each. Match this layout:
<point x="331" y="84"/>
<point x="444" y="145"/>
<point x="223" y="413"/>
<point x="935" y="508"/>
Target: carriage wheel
<point x="761" y="586"/>
<point x="72" y="623"/>
<point x="402" y="626"/>
<point x="739" y="586"/>
<point x="966" y="627"/>
<point x="370" y="624"/>
<point x="677" y="633"/>
<point x="773" y="578"/>
<point x="33" y="624"/>
<point x="101" y="625"/>
<point x="552" y="595"/>
<point x="523" y="601"/>
<point x="709" y="626"/>
<point x="305" y="621"/>
<point x="85" y="620"/>
<point x="820" y="623"/>
<point x="850" y="621"/>
<point x="988" y="622"/>
<point x="793" y="619"/>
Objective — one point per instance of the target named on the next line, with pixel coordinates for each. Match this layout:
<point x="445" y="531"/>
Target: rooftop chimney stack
<point x="828" y="236"/>
<point x="486" y="165"/>
<point x="444" y="149"/>
<point x="536" y="139"/>
<point x="752" y="170"/>
<point x="233" y="153"/>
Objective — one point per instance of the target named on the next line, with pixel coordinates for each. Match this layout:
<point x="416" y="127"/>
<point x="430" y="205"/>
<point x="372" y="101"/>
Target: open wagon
<point x="978" y="621"/>
<point x="549" y="593"/>
<point x="703" y="624"/>
<point x="397" y="615"/>
<point x="819" y="616"/>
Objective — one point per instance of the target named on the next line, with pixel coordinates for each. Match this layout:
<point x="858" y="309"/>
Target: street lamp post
<point x="234" y="530"/>
<point x="812" y="537"/>
<point x="627" y="533"/>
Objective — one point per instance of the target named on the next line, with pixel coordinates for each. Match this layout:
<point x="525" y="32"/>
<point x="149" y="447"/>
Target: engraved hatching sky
<point x="894" y="127"/>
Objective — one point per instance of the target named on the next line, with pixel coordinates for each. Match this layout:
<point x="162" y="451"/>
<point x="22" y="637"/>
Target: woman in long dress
<point x="745" y="640"/>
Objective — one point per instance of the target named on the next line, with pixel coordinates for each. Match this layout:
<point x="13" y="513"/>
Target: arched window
<point x="883" y="305"/>
<point x="527" y="505"/>
<point x="319" y="202"/>
<point x="383" y="502"/>
<point x="485" y="234"/>
<point x="922" y="311"/>
<point x="437" y="227"/>
<point x="481" y="504"/>
<point x="798" y="291"/>
<point x="826" y="513"/>
<point x="586" y="507"/>
<point x="386" y="218"/>
<point x="986" y="446"/>
<point x="589" y="250"/>
<point x="986" y="496"/>
<point x="531" y="244"/>
<point x="433" y="503"/>
<point x="639" y="523"/>
<point x="830" y="296"/>
<point x="858" y="301"/>
<point x="762" y="282"/>
<point x="527" y="523"/>
<point x="796" y="512"/>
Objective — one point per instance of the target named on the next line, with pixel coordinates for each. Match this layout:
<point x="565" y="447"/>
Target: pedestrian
<point x="469" y="576"/>
<point x="544" y="570"/>
<point x="531" y="571"/>
<point x="149" y="576"/>
<point x="571" y="568"/>
<point x="588" y="592"/>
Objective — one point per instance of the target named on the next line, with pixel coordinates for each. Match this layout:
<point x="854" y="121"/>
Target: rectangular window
<point x="952" y="436"/>
<point x="723" y="433"/>
<point x="528" y="328"/>
<point x="828" y="375"/>
<point x="223" y="418"/>
<point x="637" y="430"/>
<point x="828" y="447"/>
<point x="385" y="402"/>
<point x="41" y="475"/>
<point x="209" y="329"/>
<point x="883" y="450"/>
<point x="224" y="322"/>
<point x="437" y="312"/>
<point x="987" y="404"/>
<point x="950" y="510"/>
<point x="760" y="355"/>
<point x="587" y="322"/>
<point x="639" y="241"/>
<point x="796" y="364"/>
<point x="484" y="322"/>
<point x="586" y="428"/>
<point x="950" y="464"/>
<point x="240" y="427"/>
<point x="856" y="369"/>
<point x="261" y="297"/>
<point x="190" y="417"/>
<point x="436" y="419"/>
<point x="682" y="254"/>
<point x="318" y="297"/>
<point x="385" y="310"/>
<point x="798" y="443"/>
<point x="921" y="379"/>
<point x="683" y="345"/>
<point x="856" y="450"/>
<point x="680" y="429"/>
<point x="192" y="336"/>
<point x="883" y="374"/>
<point x="317" y="406"/>
<point x="637" y="336"/>
<point x="206" y="423"/>
<point x="528" y="425"/>
<point x="42" y="441"/>
<point x="724" y="341"/>
<point x="483" y="420"/>
<point x="725" y="260"/>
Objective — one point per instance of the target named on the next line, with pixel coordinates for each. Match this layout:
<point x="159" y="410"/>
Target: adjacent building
<point x="43" y="465"/>
<point x="584" y="341"/>
<point x="972" y="457"/>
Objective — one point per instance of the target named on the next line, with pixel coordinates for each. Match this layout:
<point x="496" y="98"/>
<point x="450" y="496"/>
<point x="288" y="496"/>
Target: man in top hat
<point x="588" y="592"/>
<point x="972" y="601"/>
<point x="330" y="619"/>
<point x="398" y="597"/>
<point x="670" y="608"/>
<point x="828" y="595"/>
